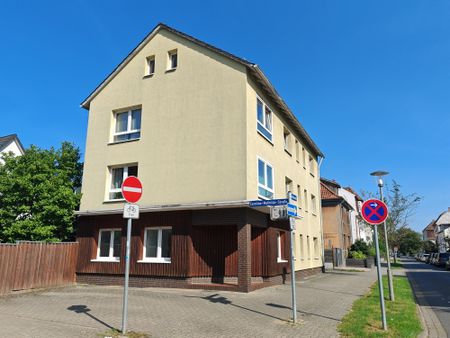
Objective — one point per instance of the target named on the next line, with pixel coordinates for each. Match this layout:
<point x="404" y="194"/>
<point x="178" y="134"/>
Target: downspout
<point x="320" y="213"/>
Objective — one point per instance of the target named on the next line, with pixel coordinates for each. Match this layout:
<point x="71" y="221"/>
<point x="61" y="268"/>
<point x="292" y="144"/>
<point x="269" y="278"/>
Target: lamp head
<point x="379" y="173"/>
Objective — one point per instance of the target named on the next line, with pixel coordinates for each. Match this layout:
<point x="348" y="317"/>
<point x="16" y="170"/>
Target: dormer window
<point x="173" y="60"/>
<point x="150" y="70"/>
<point x="128" y="125"/>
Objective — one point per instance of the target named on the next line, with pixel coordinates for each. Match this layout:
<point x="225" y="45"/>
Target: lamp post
<point x="380" y="174"/>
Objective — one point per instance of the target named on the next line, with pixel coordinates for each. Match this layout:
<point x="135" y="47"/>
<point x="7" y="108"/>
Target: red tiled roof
<point x="326" y="193"/>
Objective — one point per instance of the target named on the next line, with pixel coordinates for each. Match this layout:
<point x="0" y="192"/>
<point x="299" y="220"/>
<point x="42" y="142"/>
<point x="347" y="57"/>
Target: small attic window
<point x="173" y="59"/>
<point x="150" y="65"/>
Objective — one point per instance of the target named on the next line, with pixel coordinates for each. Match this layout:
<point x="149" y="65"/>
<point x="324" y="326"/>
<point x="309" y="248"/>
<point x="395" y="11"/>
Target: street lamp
<point x="380" y="175"/>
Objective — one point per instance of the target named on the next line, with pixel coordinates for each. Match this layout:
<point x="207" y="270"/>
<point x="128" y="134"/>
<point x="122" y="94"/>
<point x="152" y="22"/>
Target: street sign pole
<point x="127" y="273"/>
<point x="293" y="286"/>
<point x="375" y="212"/>
<point x="131" y="192"/>
<point x="389" y="271"/>
<point x="380" y="282"/>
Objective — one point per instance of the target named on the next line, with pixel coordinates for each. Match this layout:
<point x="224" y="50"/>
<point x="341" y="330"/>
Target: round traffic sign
<point x="132" y="189"/>
<point x="374" y="211"/>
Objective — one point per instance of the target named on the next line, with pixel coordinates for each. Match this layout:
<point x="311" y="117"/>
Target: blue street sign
<point x="292" y="210"/>
<point x="292" y="197"/>
<point x="267" y="203"/>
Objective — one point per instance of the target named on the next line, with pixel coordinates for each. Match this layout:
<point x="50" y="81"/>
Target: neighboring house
<point x="356" y="224"/>
<point x="336" y="213"/>
<point x="428" y="233"/>
<point x="10" y="143"/>
<point x="442" y="231"/>
<point x="205" y="132"/>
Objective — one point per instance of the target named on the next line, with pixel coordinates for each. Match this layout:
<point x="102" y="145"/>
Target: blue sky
<point x="369" y="80"/>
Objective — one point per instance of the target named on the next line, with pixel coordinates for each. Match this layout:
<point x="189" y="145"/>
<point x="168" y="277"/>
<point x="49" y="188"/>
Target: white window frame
<point x="313" y="204"/>
<point x="148" y="60"/>
<point x="124" y="176"/>
<point x="311" y="165"/>
<point x="266" y="187"/>
<point x="170" y="53"/>
<point x="279" y="249"/>
<point x="287" y="140"/>
<point x="302" y="248"/>
<point x="158" y="258"/>
<point x="110" y="257"/>
<point x="129" y="120"/>
<point x="305" y="198"/>
<point x="316" y="247"/>
<point x="263" y="125"/>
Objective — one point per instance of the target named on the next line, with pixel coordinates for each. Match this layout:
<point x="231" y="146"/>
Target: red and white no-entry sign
<point x="132" y="189"/>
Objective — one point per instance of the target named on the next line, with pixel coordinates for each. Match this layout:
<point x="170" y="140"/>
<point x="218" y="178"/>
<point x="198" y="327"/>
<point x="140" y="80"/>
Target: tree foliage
<point x="39" y="193"/>
<point x="429" y="246"/>
<point x="409" y="241"/>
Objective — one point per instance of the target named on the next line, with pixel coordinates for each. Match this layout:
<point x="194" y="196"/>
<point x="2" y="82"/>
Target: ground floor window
<point x="281" y="252"/>
<point x="109" y="243"/>
<point x="157" y="245"/>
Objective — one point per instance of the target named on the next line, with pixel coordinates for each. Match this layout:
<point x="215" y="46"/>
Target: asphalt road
<point x="434" y="283"/>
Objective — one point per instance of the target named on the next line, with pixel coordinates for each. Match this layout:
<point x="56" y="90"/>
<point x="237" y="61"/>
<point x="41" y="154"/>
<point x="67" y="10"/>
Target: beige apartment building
<point x="205" y="132"/>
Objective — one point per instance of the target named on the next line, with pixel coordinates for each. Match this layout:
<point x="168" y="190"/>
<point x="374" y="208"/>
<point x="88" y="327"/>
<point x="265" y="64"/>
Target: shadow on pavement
<point x="216" y="298"/>
<point x="303" y="312"/>
<point x="84" y="309"/>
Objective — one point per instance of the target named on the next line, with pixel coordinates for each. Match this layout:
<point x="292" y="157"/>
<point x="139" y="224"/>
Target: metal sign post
<point x="132" y="192"/>
<point x="291" y="213"/>
<point x="375" y="212"/>
<point x="380" y="282"/>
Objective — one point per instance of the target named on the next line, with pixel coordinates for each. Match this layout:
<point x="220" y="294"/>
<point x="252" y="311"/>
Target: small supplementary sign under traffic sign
<point x="374" y="211"/>
<point x="267" y="203"/>
<point x="131" y="211"/>
<point x="132" y="189"/>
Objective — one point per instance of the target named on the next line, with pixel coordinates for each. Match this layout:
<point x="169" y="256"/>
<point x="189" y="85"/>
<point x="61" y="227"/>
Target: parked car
<point x="424" y="257"/>
<point x="442" y="259"/>
<point x="432" y="258"/>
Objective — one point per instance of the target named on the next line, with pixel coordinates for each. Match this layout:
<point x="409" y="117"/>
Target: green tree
<point x="429" y="247"/>
<point x="39" y="193"/>
<point x="360" y="246"/>
<point x="409" y="241"/>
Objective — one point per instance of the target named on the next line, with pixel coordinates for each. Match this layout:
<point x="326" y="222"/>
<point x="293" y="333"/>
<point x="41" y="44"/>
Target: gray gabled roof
<point x="253" y="69"/>
<point x="8" y="139"/>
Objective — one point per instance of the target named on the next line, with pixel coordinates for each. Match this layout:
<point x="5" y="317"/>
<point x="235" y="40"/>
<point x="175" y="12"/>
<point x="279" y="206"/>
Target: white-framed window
<point x="311" y="165"/>
<point x="127" y="125"/>
<point x="299" y="196"/>
<point x="157" y="245"/>
<point x="316" y="247"/>
<point x="172" y="62"/>
<point x="297" y="151"/>
<point x="280" y="247"/>
<point x="287" y="140"/>
<point x="150" y="65"/>
<point x="308" y="243"/>
<point x="117" y="176"/>
<point x="265" y="180"/>
<point x="288" y="185"/>
<point x="302" y="248"/>
<point x="109" y="244"/>
<point x="305" y="199"/>
<point x="264" y="119"/>
<point x="304" y="157"/>
<point x="313" y="204"/>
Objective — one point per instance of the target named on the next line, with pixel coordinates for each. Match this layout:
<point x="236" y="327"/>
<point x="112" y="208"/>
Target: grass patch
<point x="397" y="265"/>
<point x="129" y="334"/>
<point x="364" y="319"/>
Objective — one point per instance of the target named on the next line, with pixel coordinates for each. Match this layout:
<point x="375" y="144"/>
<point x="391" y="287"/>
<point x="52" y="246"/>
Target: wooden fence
<point x="29" y="265"/>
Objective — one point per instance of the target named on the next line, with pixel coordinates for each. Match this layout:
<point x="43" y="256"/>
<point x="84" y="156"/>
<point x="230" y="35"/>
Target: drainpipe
<point x="320" y="214"/>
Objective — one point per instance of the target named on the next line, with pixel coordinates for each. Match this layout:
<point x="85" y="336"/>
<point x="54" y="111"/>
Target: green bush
<point x="357" y="255"/>
<point x="360" y="246"/>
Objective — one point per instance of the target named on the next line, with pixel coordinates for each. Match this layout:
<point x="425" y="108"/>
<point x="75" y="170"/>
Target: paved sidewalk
<point x="84" y="311"/>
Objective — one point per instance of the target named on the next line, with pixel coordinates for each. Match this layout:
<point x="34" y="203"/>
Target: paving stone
<point x="85" y="311"/>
